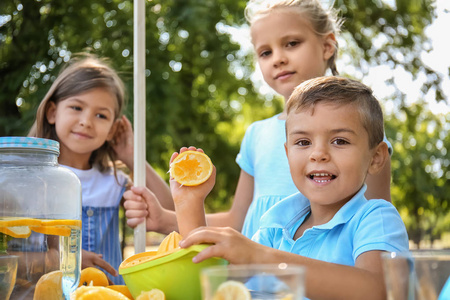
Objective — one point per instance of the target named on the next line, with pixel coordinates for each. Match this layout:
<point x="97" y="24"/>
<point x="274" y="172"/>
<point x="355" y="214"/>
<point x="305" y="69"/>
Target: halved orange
<point x="91" y="276"/>
<point x="96" y="293"/>
<point x="153" y="294"/>
<point x="121" y="289"/>
<point x="49" y="287"/>
<point x="232" y="290"/>
<point x="191" y="168"/>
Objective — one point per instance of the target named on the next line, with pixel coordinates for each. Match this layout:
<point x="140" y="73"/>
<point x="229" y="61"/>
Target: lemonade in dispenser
<point x="40" y="214"/>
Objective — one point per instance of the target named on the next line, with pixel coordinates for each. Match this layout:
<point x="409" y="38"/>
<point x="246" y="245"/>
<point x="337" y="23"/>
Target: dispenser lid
<point x="15" y="142"/>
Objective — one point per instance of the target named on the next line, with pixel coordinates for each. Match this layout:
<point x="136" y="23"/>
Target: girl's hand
<point x="91" y="259"/>
<point x="141" y="204"/>
<point x="191" y="195"/>
<point x="123" y="142"/>
<point x="226" y="243"/>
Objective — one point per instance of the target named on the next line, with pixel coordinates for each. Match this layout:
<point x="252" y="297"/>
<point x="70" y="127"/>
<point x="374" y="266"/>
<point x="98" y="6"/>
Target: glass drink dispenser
<point x="40" y="215"/>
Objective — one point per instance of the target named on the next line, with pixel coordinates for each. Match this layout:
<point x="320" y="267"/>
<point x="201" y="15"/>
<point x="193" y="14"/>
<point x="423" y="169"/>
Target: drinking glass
<point x="418" y="275"/>
<point x="269" y="281"/>
<point x="8" y="272"/>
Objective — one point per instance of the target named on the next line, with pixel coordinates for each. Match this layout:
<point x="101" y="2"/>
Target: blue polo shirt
<point x="360" y="225"/>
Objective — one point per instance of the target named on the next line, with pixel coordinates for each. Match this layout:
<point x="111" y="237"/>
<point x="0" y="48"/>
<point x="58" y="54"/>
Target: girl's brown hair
<point x="323" y="21"/>
<point x="83" y="73"/>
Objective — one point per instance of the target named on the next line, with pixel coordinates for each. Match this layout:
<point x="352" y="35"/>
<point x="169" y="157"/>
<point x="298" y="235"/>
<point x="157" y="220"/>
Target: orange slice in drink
<point x="52" y="230"/>
<point x="232" y="290"/>
<point x="191" y="168"/>
<point x="16" y="231"/>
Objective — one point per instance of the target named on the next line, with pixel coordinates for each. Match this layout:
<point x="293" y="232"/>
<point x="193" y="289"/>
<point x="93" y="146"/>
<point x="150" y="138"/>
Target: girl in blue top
<point x="83" y="112"/>
<point x="294" y="40"/>
<point x="334" y="131"/>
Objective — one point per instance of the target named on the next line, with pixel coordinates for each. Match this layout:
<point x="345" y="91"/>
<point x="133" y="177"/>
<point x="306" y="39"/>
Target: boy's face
<point x="288" y="50"/>
<point x="328" y="153"/>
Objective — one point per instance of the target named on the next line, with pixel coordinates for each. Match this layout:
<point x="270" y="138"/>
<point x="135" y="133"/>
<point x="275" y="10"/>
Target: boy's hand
<point x="140" y="203"/>
<point x="226" y="243"/>
<point x="189" y="195"/>
<point x="91" y="259"/>
<point x="123" y="142"/>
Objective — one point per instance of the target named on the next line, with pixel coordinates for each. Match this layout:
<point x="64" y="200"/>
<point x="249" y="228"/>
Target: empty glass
<point x="262" y="281"/>
<point x="420" y="275"/>
<point x="8" y="273"/>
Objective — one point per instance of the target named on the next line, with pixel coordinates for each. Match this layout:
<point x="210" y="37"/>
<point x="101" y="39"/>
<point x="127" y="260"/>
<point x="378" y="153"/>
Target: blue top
<point x="101" y="197"/>
<point x="263" y="156"/>
<point x="359" y="226"/>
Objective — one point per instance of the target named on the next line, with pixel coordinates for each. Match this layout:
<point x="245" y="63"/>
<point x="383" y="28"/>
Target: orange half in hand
<point x="191" y="168"/>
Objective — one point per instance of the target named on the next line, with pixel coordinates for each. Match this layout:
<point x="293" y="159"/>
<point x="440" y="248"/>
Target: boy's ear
<point x="329" y="45"/>
<point x="379" y="158"/>
<point x="51" y="112"/>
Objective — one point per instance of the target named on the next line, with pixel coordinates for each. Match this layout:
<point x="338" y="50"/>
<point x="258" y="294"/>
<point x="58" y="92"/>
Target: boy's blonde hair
<point x="323" y="21"/>
<point x="340" y="91"/>
<point x="84" y="73"/>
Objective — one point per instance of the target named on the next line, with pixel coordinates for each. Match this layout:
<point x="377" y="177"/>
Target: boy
<point x="334" y="133"/>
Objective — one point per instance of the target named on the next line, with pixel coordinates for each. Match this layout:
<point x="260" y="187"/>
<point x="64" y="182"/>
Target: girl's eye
<point x="77" y="108"/>
<point x="102" y="116"/>
<point x="292" y="43"/>
<point x="340" y="142"/>
<point x="264" y="53"/>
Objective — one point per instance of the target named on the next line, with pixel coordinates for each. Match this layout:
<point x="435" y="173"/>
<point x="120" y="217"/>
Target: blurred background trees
<point x="200" y="89"/>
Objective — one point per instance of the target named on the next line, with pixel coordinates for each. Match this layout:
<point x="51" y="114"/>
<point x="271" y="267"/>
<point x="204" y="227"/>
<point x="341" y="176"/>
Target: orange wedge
<point x="191" y="168"/>
<point x="232" y="290"/>
<point x="153" y="294"/>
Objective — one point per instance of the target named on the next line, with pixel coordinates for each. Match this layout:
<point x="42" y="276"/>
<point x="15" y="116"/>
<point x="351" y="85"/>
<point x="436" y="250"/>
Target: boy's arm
<point x="189" y="200"/>
<point x="323" y="280"/>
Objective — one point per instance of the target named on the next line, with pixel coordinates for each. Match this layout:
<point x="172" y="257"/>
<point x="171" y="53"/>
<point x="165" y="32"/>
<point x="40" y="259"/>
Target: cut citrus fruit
<point x="121" y="289"/>
<point x="52" y="230"/>
<point x="49" y="287"/>
<point x="16" y="231"/>
<point x="96" y="293"/>
<point x="93" y="277"/>
<point x="153" y="294"/>
<point x="21" y="227"/>
<point x="61" y="222"/>
<point x="191" y="168"/>
<point x="232" y="290"/>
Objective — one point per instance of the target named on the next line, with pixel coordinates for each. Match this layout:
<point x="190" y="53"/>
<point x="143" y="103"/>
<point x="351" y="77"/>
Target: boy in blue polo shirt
<point x="334" y="134"/>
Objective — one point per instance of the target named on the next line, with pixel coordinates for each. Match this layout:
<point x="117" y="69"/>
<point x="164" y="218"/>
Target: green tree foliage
<point x="420" y="167"/>
<point x="197" y="96"/>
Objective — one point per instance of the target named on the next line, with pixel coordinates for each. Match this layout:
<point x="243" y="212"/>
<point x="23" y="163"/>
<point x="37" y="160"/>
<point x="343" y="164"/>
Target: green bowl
<point x="174" y="274"/>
